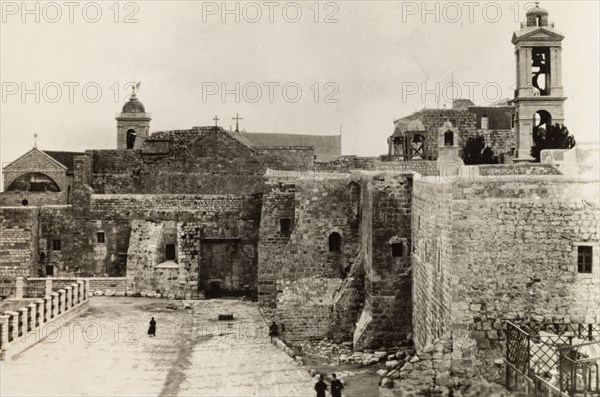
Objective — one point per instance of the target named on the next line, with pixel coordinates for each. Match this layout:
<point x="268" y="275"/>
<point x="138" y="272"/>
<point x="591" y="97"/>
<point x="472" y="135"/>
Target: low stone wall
<point x="20" y="329"/>
<point x="37" y="287"/>
<point x="518" y="169"/>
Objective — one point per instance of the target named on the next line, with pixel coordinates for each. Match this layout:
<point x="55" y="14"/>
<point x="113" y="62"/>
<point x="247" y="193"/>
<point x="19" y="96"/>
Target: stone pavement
<point x="107" y="352"/>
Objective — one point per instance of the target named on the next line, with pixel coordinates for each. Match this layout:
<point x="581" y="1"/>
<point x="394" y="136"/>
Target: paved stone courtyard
<point x="108" y="352"/>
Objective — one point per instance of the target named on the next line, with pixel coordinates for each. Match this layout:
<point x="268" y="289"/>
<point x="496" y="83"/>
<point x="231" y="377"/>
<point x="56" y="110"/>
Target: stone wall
<point x="162" y="206"/>
<point x="288" y="158"/>
<point x="278" y="203"/>
<point x="200" y="161"/>
<point x="215" y="237"/>
<point x="510" y="254"/>
<point x="18" y="241"/>
<point x="314" y="292"/>
<point x="347" y="164"/>
<point x="502" y="142"/>
<point x="386" y="318"/>
<point x="523" y="169"/>
<point x="81" y="252"/>
<point x="298" y="272"/>
<point x="15" y="199"/>
<point x="432" y="269"/>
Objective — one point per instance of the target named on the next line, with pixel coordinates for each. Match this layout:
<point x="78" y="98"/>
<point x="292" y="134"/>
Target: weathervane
<point x="135" y="88"/>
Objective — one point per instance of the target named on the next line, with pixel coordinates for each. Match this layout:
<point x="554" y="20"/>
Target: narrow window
<point x="100" y="237"/>
<point x="49" y="270"/>
<point x="584" y="259"/>
<point x="335" y="242"/>
<point x="484" y="122"/>
<point x="285" y="226"/>
<point x="397" y="250"/>
<point x="170" y="252"/>
<point x="448" y="138"/>
<point x="56" y="244"/>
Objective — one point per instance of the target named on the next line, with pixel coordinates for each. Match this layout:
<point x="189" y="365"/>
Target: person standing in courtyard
<point x="336" y="386"/>
<point x="273" y="331"/>
<point x="320" y="387"/>
<point x="152" y="328"/>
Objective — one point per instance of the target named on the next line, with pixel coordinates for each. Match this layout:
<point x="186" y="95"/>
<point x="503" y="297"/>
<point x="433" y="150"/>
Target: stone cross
<point x="216" y="119"/>
<point x="237" y="118"/>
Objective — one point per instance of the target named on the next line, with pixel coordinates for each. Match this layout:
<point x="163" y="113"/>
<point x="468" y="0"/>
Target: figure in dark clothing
<point x="336" y="387"/>
<point x="152" y="329"/>
<point x="273" y="330"/>
<point x="320" y="387"/>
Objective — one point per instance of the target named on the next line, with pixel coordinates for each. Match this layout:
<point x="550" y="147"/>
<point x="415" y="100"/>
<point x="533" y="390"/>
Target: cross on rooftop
<point x="237" y="118"/>
<point x="216" y="119"/>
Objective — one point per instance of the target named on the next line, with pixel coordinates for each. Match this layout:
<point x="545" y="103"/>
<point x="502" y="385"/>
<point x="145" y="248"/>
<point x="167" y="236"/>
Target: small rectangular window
<point x="56" y="245"/>
<point x="584" y="259"/>
<point x="285" y="226"/>
<point x="397" y="250"/>
<point x="100" y="237"/>
<point x="170" y="252"/>
<point x="49" y="270"/>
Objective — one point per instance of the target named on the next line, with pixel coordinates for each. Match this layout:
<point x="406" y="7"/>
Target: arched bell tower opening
<point x="133" y="124"/>
<point x="539" y="98"/>
<point x="541" y="119"/>
<point x="131" y="139"/>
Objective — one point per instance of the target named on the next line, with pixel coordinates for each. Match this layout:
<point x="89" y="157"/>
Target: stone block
<point x="391" y="364"/>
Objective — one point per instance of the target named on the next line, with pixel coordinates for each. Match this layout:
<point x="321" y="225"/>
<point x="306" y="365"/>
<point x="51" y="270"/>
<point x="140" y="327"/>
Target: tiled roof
<point x="326" y="147"/>
<point x="65" y="158"/>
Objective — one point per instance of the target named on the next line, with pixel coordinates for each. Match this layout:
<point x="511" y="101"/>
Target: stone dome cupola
<point x="537" y="16"/>
<point x="133" y="105"/>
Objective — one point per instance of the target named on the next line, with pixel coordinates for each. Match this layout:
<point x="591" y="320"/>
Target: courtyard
<point x="107" y="352"/>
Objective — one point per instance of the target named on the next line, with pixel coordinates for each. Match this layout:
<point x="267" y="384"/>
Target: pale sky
<point x="366" y="62"/>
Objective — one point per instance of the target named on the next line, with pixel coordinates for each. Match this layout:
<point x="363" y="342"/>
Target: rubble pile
<point x="342" y="353"/>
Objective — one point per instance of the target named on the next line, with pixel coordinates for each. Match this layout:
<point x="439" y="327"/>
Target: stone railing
<point x="20" y="329"/>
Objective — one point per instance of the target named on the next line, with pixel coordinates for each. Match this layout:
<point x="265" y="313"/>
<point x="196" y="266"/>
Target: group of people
<point x="336" y="386"/>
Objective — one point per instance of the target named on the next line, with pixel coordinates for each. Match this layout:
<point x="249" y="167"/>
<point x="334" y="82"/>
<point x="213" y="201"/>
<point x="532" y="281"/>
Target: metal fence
<point x="553" y="360"/>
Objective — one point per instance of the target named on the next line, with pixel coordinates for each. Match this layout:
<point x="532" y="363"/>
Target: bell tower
<point x="539" y="99"/>
<point x="133" y="124"/>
